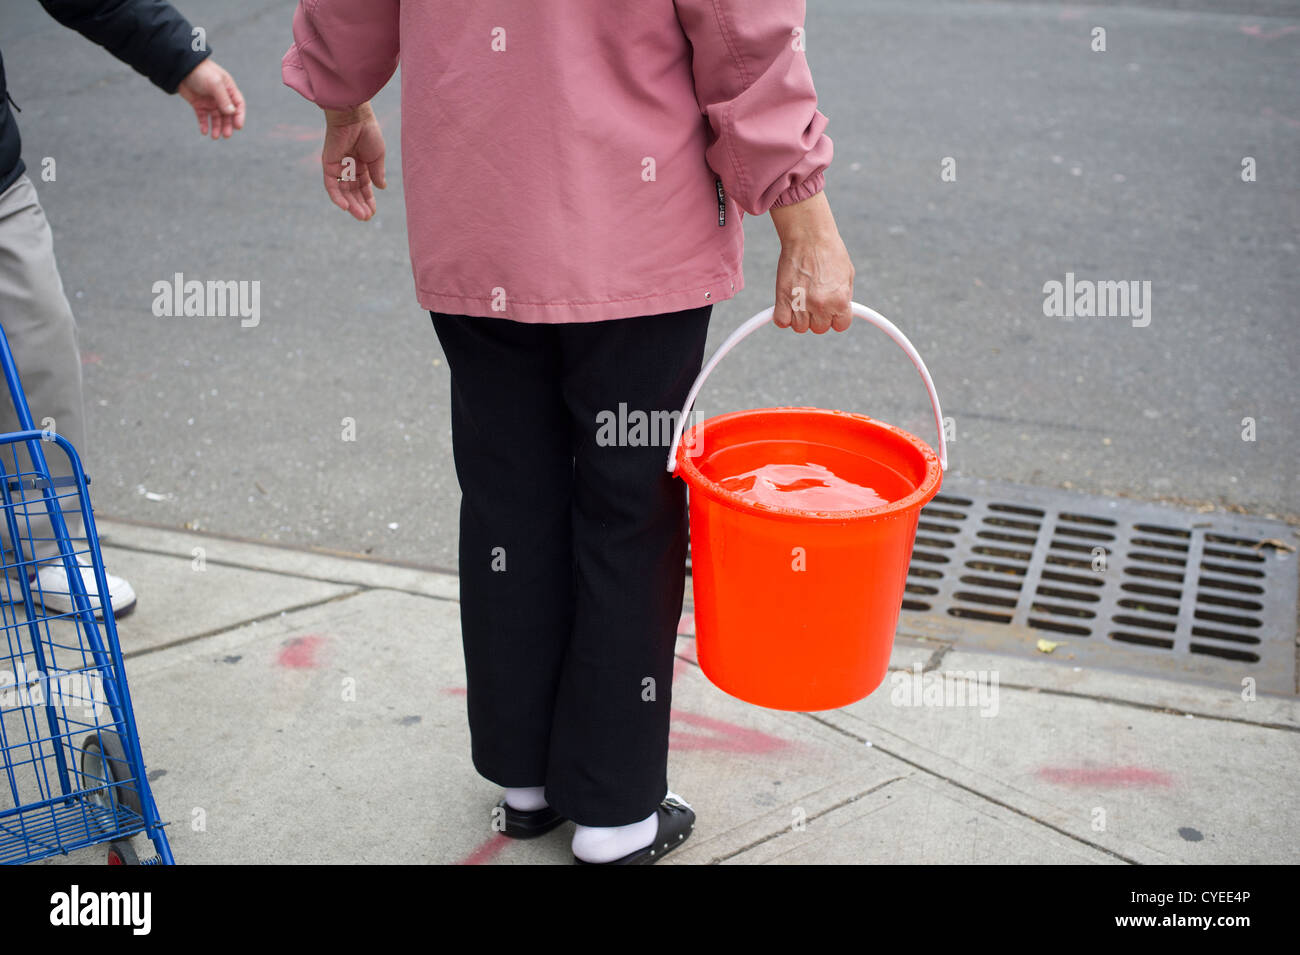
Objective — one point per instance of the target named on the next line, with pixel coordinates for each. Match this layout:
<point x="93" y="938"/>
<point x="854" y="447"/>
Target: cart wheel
<point x="98" y="766"/>
<point x="121" y="853"/>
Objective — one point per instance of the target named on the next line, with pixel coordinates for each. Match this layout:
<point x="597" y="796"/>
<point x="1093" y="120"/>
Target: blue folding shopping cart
<point x="69" y="751"/>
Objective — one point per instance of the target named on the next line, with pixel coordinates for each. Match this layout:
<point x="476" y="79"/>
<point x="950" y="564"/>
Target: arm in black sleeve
<point x="151" y="36"/>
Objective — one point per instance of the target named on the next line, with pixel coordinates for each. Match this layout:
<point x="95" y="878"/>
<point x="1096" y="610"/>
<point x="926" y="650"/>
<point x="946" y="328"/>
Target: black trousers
<point x="572" y="550"/>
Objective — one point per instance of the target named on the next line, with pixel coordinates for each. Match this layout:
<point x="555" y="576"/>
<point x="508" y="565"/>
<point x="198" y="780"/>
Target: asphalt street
<point x="1117" y="165"/>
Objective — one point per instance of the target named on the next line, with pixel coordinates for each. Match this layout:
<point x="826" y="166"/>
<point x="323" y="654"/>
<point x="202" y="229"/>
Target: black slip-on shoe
<point x="676" y="822"/>
<point x="529" y="823"/>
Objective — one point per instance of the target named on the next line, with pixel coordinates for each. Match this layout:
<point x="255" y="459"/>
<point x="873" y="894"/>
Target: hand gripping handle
<point x="765" y="317"/>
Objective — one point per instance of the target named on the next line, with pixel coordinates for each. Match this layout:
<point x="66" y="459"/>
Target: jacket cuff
<point x="804" y="190"/>
<point x="294" y="74"/>
<point x="170" y="80"/>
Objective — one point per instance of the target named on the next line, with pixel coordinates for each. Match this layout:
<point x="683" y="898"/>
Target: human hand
<point x="216" y="99"/>
<point x="352" y="159"/>
<point x="814" y="275"/>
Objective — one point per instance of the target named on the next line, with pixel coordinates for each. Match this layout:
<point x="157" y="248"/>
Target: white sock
<point x="607" y="843"/>
<point x="527" y="799"/>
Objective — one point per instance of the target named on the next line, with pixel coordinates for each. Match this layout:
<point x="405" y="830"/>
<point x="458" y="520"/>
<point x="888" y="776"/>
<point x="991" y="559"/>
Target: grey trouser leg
<point x="42" y="334"/>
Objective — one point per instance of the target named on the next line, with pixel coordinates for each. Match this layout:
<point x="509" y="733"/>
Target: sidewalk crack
<point x="716" y="860"/>
<point x="270" y="615"/>
<point x="975" y="792"/>
<point x="1150" y="707"/>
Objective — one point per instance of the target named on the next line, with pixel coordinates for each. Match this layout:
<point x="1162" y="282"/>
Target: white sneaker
<point x="50" y="588"/>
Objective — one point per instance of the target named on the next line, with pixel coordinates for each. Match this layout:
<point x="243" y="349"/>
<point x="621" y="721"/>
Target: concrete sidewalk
<point x="302" y="708"/>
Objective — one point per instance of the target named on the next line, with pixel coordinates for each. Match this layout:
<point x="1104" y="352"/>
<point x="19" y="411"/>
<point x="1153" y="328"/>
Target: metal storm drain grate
<point x="1117" y="583"/>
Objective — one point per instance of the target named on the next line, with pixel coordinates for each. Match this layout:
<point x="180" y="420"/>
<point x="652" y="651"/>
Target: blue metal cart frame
<point x="70" y="760"/>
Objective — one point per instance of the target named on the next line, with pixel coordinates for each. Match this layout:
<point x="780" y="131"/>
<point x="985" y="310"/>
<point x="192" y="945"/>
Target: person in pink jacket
<point x="575" y="177"/>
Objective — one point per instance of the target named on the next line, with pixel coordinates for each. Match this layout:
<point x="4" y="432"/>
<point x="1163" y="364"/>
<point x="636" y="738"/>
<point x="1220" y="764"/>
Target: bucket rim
<point x="918" y="498"/>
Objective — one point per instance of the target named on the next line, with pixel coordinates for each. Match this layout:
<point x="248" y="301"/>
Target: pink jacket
<point x="577" y="160"/>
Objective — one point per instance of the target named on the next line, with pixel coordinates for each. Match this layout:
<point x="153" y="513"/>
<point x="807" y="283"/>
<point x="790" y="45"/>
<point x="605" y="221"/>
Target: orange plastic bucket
<point x="796" y="609"/>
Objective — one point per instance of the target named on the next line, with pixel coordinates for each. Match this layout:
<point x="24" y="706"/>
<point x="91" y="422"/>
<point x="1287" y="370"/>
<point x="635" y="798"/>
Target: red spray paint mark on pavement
<point x="449" y="690"/>
<point x="300" y="653"/>
<point x="1257" y="31"/>
<point x="91" y="358"/>
<point x="1273" y="114"/>
<point x="486" y="852"/>
<point x="1113" y="777"/>
<point x="721" y="736"/>
<point x="296" y="133"/>
<point x="687" y="623"/>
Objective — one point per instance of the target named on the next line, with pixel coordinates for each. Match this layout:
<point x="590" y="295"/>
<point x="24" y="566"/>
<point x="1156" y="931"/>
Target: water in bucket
<point x="802" y="525"/>
<point x="802" y="487"/>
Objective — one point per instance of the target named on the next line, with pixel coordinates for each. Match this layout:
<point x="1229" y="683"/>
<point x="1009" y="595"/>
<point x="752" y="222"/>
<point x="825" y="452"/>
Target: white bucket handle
<point x="764" y="317"/>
